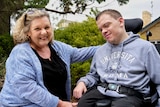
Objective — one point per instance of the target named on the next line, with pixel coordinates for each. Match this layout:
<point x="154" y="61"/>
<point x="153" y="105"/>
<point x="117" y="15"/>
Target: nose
<point x="43" y="31"/>
<point x="104" y="31"/>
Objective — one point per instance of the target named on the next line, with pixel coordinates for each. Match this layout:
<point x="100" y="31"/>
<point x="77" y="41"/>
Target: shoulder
<point x="20" y="47"/>
<point x="143" y="42"/>
<point x="62" y="49"/>
<point x="22" y="50"/>
<point x="103" y="47"/>
<point x="61" y="46"/>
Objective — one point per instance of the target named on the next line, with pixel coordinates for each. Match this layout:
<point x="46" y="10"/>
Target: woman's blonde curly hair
<point x="22" y="25"/>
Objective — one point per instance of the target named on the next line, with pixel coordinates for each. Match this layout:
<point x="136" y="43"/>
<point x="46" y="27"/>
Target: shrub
<point x="6" y="45"/>
<point x="80" y="35"/>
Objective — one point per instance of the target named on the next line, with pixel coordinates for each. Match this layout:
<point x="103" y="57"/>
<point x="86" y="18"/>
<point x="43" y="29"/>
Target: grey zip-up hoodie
<point x="132" y="63"/>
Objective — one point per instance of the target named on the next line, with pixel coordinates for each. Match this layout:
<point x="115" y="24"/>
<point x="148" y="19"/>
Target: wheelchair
<point x="135" y="25"/>
<point x="149" y="101"/>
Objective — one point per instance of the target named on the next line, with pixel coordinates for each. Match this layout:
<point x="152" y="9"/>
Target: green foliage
<point x="6" y="45"/>
<point x="99" y="1"/>
<point x="81" y="5"/>
<point x="121" y="2"/>
<point x="36" y="3"/>
<point x="80" y="35"/>
<point x="78" y="70"/>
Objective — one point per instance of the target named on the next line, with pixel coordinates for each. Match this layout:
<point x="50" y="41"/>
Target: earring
<point x="29" y="38"/>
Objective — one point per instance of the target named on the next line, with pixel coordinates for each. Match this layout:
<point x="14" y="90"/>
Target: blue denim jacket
<point x="24" y="85"/>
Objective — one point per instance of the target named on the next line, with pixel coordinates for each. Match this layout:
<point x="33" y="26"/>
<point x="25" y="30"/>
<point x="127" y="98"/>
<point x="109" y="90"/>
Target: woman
<point x="38" y="68"/>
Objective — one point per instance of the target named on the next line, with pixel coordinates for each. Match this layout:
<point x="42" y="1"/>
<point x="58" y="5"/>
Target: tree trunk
<point x="5" y="22"/>
<point x="7" y="7"/>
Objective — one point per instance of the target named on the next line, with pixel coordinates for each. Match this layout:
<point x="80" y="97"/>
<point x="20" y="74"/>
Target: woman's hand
<point x="66" y="104"/>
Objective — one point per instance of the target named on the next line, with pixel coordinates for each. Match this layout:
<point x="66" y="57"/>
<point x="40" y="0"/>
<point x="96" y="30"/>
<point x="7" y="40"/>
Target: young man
<point x="121" y="69"/>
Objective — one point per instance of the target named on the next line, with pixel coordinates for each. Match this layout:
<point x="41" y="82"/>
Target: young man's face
<point x="111" y="28"/>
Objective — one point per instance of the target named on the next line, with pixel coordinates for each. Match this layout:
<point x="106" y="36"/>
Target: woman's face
<point x="40" y="33"/>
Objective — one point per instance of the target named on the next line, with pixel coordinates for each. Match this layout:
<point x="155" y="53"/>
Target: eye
<point x="47" y="27"/>
<point x="100" y="30"/>
<point x="37" y="29"/>
<point x="106" y="25"/>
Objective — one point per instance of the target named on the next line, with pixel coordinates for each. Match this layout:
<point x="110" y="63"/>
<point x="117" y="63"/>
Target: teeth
<point x="43" y="38"/>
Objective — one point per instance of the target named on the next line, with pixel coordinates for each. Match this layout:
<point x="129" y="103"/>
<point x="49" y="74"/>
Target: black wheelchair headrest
<point x="134" y="25"/>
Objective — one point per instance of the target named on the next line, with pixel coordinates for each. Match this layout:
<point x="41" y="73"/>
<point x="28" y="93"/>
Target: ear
<point x="121" y="21"/>
<point x="28" y="33"/>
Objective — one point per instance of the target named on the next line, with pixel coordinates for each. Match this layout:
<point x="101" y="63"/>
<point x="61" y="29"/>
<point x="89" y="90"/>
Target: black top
<point x="54" y="74"/>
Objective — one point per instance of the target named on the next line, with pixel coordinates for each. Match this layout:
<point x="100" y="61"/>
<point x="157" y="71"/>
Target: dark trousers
<point x="90" y="98"/>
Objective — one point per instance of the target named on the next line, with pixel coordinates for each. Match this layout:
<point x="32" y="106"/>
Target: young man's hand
<point x="79" y="90"/>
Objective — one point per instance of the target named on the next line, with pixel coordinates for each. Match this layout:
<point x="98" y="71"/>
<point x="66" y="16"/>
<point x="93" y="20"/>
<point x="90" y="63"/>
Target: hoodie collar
<point x="131" y="37"/>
